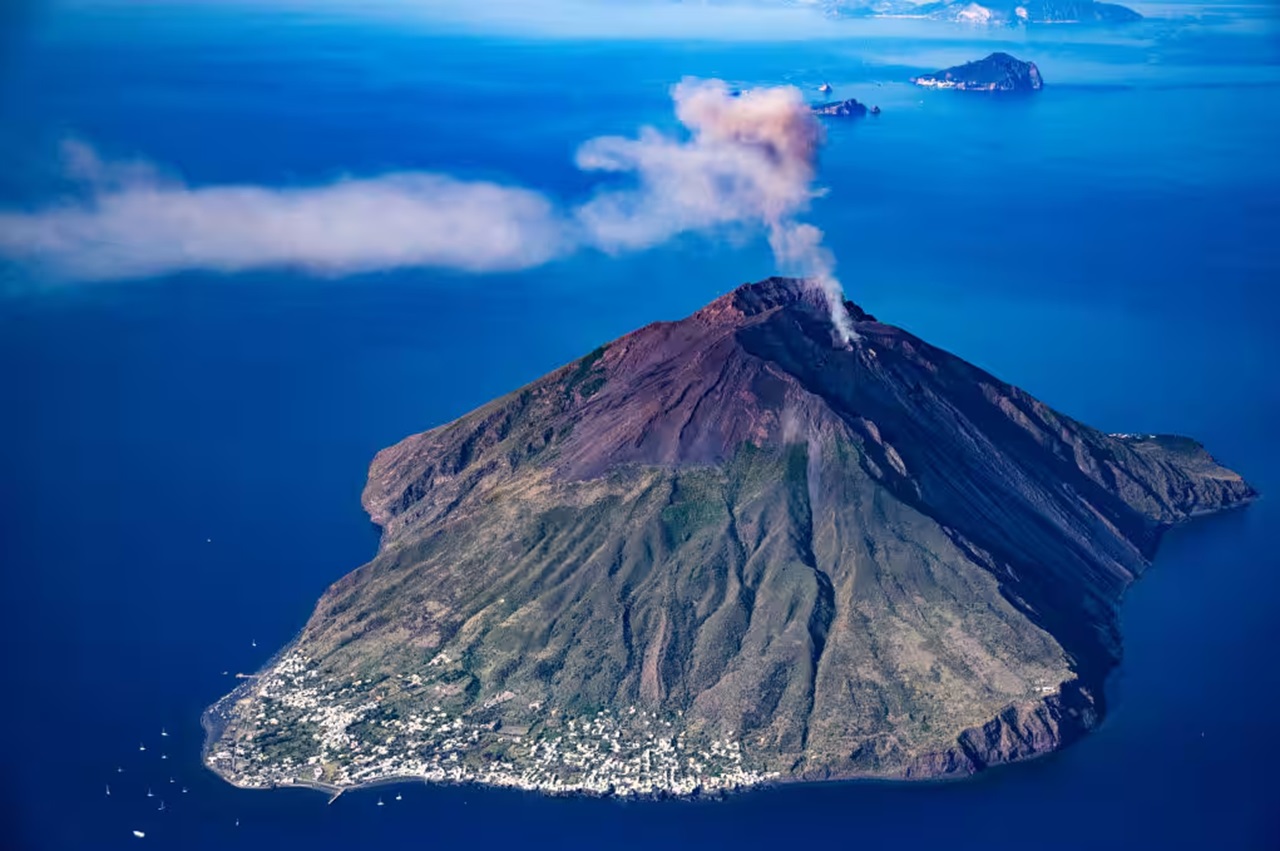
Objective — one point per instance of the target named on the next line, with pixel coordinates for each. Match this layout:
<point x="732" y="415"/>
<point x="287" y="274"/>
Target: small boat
<point x="825" y="88"/>
<point x="108" y="790"/>
<point x="380" y="803"/>
<point x="237" y="822"/>
<point x="139" y="834"/>
<point x="184" y="790"/>
<point x="119" y="769"/>
<point x="253" y="643"/>
<point x="150" y="794"/>
<point x="170" y="779"/>
<point x="163" y="732"/>
<point x="399" y="797"/>
<point x="160" y="809"/>
<point x="142" y="747"/>
<point x="164" y="756"/>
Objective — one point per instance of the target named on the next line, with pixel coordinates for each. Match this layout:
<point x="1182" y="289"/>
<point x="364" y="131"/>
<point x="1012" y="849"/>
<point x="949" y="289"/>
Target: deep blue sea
<point x="181" y="459"/>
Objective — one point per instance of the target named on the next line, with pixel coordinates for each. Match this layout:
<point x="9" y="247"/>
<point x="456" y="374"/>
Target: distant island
<point x="849" y="108"/>
<point x="995" y="13"/>
<point x="721" y="552"/>
<point x="999" y="72"/>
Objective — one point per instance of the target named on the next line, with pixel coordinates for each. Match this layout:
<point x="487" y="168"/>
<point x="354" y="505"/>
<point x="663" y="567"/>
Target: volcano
<point x="724" y="551"/>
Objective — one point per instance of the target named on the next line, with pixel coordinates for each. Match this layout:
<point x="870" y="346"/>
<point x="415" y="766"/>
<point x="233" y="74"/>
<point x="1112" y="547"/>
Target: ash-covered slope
<point x="724" y="550"/>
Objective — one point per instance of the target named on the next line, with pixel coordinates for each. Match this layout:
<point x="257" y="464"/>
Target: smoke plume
<point x="750" y="158"/>
<point x="748" y="161"/>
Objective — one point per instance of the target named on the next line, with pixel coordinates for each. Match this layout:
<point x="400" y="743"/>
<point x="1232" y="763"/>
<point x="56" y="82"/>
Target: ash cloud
<point x="748" y="162"/>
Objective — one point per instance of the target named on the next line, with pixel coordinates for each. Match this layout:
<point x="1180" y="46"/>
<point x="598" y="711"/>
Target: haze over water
<point x="181" y="459"/>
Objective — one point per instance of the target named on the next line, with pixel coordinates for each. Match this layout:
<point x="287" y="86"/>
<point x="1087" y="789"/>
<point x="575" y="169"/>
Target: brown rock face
<point x="872" y="560"/>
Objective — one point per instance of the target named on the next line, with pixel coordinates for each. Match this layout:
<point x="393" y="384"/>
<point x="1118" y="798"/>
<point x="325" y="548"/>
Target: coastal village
<point x="293" y="726"/>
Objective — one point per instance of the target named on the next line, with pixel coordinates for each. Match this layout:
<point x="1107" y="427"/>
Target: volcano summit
<point x="724" y="551"/>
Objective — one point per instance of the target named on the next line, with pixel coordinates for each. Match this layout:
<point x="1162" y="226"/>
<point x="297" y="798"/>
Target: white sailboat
<point x="139" y="834"/>
<point x="150" y="794"/>
<point x="398" y="797"/>
<point x="108" y="790"/>
<point x="380" y="803"/>
<point x="163" y="732"/>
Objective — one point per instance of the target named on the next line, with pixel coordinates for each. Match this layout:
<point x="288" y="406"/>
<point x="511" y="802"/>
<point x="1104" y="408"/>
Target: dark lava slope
<point x="863" y="560"/>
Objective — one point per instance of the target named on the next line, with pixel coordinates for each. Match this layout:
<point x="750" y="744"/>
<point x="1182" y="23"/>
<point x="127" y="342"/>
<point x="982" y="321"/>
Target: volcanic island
<point x="998" y="72"/>
<point x="721" y="552"/>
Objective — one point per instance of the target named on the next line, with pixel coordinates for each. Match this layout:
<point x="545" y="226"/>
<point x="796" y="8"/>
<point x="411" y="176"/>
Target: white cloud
<point x="748" y="160"/>
<point x="143" y="228"/>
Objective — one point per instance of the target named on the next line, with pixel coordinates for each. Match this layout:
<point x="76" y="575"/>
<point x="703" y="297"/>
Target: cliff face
<point x="724" y="550"/>
<point x="999" y="72"/>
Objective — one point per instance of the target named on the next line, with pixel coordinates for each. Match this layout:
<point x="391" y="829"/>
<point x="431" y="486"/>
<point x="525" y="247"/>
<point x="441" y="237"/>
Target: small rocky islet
<point x="847" y="108"/>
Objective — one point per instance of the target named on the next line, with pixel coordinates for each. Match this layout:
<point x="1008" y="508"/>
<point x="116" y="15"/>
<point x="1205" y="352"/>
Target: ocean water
<point x="181" y="459"/>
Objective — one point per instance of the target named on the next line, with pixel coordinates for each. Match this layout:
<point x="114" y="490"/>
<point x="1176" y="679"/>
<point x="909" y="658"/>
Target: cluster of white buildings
<point x="339" y="740"/>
